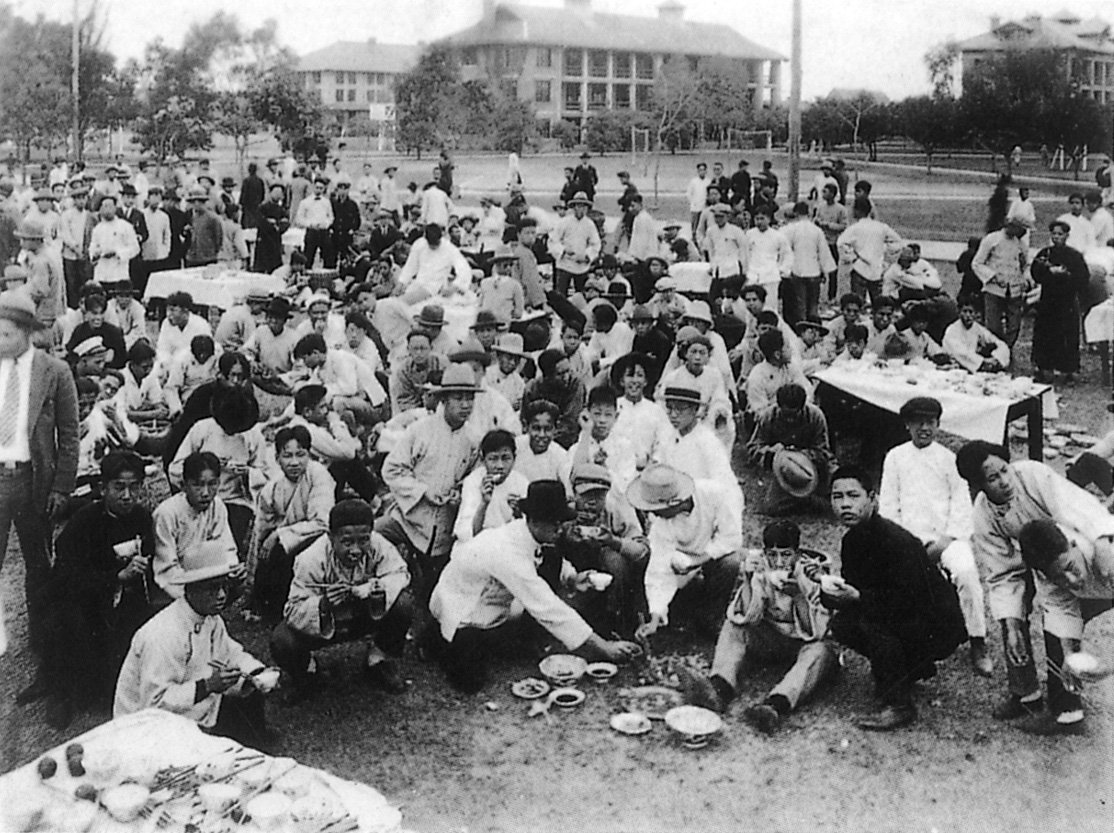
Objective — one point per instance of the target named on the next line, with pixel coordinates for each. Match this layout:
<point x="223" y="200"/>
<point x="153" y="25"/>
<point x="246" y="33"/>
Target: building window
<point x="371" y="96"/>
<point x="340" y="77"/>
<point x="571" y="95"/>
<point x="545" y="128"/>
<point x="316" y="77"/>
<point x="340" y="95"/>
<point x="574" y="62"/>
<point x="369" y="78"/>
<point x="620" y="94"/>
<point x="545" y="59"/>
<point x="510" y="87"/>
<point x="542" y="92"/>
<point x="597" y="63"/>
<point x="597" y="96"/>
<point x="351" y="95"/>
<point x="620" y="65"/>
<point x="644" y="66"/>
<point x="468" y="57"/>
<point x="643" y="93"/>
<point x="351" y="78"/>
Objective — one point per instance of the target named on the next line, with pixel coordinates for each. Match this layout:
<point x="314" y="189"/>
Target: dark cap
<point x="921" y="406"/>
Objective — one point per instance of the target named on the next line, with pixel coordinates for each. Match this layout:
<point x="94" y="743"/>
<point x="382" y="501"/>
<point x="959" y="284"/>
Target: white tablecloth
<point x="222" y="290"/>
<point x="692" y="277"/>
<point x="292" y="238"/>
<point x="974" y="415"/>
<point x="151" y="740"/>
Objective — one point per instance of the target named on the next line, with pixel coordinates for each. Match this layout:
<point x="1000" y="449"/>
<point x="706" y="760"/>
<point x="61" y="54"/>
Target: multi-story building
<point x="1087" y="46"/>
<point x="355" y="80"/>
<point x="570" y="62"/>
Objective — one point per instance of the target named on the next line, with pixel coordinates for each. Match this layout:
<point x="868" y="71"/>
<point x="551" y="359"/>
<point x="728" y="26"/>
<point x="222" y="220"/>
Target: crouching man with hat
<point x="502" y="574"/>
<point x="184" y="661"/>
<point x="696" y="543"/>
<point x="347" y="585"/>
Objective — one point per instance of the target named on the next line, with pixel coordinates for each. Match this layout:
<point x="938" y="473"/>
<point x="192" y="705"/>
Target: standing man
<point x="206" y="234"/>
<point x="179" y="225"/>
<point x="630" y="191"/>
<point x="575" y="243"/>
<point x="38" y="448"/>
<point x="46" y="281"/>
<point x="346" y="220"/>
<point x="273" y="223"/>
<point x="112" y="245"/>
<point x="812" y="261"/>
<point x="769" y="258"/>
<point x="726" y="244"/>
<point x="388" y="193"/>
<point x="1062" y="275"/>
<point x="1082" y="233"/>
<point x="865" y="245"/>
<point x="1000" y="264"/>
<point x="135" y="216"/>
<point x="74" y="232"/>
<point x="831" y="217"/>
<point x="315" y="215"/>
<point x="252" y="193"/>
<point x="585" y="177"/>
<point x="741" y="187"/>
<point x="155" y="250"/>
<point x="696" y="192"/>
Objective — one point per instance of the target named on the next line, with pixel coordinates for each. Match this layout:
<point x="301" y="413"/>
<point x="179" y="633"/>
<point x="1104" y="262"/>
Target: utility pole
<point x="795" y="106"/>
<point x="75" y="82"/>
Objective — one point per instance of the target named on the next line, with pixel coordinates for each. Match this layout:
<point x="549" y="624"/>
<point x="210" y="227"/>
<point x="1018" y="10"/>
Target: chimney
<point x="995" y="22"/>
<point x="671" y="11"/>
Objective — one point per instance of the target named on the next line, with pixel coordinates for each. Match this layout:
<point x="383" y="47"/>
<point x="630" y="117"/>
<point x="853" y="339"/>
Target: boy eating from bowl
<point x="489" y="495"/>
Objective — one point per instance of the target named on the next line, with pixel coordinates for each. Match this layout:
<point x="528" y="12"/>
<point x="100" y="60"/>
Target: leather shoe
<point x="889" y="718"/>
<point x="384" y="675"/>
<point x="1011" y="708"/>
<point x="1047" y="725"/>
<point x="981" y="661"/>
<point x="763" y="717"/>
<point x="36" y="691"/>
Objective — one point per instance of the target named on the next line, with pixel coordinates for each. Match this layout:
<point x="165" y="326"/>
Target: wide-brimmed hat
<point x="470" y="350"/>
<point x="457" y="378"/>
<point x="811" y="324"/>
<point x="390" y="168"/>
<point x="509" y="343"/>
<point x="722" y="208"/>
<point x="212" y="180"/>
<point x="29" y="230"/>
<point x="257" y="293"/>
<point x="44" y="194"/>
<point x="641" y="312"/>
<point x="318" y="298"/>
<point x="128" y="190"/>
<point x="17" y="307"/>
<point x="504" y="253"/>
<point x="795" y="472"/>
<point x="671" y="224"/>
<point x="204" y="561"/>
<point x="546" y="502"/>
<point x="665" y="283"/>
<point x="432" y="315"/>
<point x="487" y="318"/>
<point x="197" y="194"/>
<point x="699" y="311"/>
<point x="682" y="393"/>
<point x="579" y="198"/>
<point x="659" y="487"/>
<point x="227" y="180"/>
<point x="589" y="477"/>
<point x="278" y="308"/>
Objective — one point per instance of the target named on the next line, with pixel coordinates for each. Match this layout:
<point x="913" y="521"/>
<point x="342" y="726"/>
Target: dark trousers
<point x="1090" y="468"/>
<point x="896" y="660"/>
<point x="320" y="240"/>
<point x="800" y="299"/>
<point x="76" y="273"/>
<point x="354" y="473"/>
<point x="704" y="599"/>
<point x="867" y="290"/>
<point x="17" y="507"/>
<point x="615" y="608"/>
<point x="242" y="719"/>
<point x="833" y="277"/>
<point x="562" y="279"/>
<point x="271" y="582"/>
<point x="466" y="659"/>
<point x="240" y="519"/>
<point x="291" y="648"/>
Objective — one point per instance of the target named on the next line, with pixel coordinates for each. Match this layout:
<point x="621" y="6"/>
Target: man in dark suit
<point x="38" y="448"/>
<point x="133" y="215"/>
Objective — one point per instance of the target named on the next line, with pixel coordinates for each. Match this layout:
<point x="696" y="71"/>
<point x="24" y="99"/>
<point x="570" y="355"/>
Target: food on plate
<point x="630" y="723"/>
<point x="312" y="812"/>
<point x="77" y="769"/>
<point x="85" y="792"/>
<point x="530" y="688"/>
<point x="296" y="783"/>
<point x="217" y="798"/>
<point x="266" y="680"/>
<point x="601" y="672"/>
<point x="563" y="669"/>
<point x="268" y="810"/>
<point x="652" y="700"/>
<point x="47" y="767"/>
<point x="125" y="801"/>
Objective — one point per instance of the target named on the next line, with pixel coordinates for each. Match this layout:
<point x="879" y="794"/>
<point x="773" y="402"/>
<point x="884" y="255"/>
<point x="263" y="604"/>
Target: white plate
<point x="693" y="722"/>
<point x="530" y="688"/>
<point x="631" y="723"/>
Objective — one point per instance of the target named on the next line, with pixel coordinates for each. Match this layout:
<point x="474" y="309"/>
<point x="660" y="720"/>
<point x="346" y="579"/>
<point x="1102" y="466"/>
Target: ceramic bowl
<point x="530" y="688"/>
<point x="631" y="723"/>
<point x="296" y="783"/>
<point x="563" y="669"/>
<point x="267" y="680"/>
<point x="694" y="725"/>
<point x="125" y="801"/>
<point x="567" y="698"/>
<point x="601" y="672"/>
<point x="600" y="581"/>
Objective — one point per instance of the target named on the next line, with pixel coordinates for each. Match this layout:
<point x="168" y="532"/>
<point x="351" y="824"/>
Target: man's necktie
<point x="9" y="407"/>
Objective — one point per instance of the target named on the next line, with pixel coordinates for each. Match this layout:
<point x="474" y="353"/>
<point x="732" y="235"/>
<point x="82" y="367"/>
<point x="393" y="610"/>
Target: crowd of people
<point x="501" y="429"/>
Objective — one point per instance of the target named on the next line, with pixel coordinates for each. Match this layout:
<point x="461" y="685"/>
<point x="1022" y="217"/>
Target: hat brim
<point x="794" y="490"/>
<point x="20" y="318"/>
<point x="442" y="390"/>
<point x="204" y="573"/>
<point x="458" y="358"/>
<point x="571" y="203"/>
<point x="820" y="328"/>
<point x="495" y="348"/>
<point x="637" y="498"/>
<point x="546" y="512"/>
<point x="427" y="323"/>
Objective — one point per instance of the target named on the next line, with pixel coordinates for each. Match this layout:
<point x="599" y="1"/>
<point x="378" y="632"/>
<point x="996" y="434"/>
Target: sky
<point x="875" y="44"/>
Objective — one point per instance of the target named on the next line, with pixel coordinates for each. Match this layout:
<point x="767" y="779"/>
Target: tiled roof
<point x="361" y="56"/>
<point x="1061" y="32"/>
<point x="514" y="23"/>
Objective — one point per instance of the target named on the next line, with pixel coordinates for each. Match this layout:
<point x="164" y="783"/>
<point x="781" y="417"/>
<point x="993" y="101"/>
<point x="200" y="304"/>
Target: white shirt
<point x="314" y="212"/>
<point x="549" y="465"/>
<point x="646" y="424"/>
<point x="117" y="237"/>
<point x="157" y="244"/>
<point x="701" y="456"/>
<point x="436" y="207"/>
<point x="922" y="491"/>
<point x="20" y="449"/>
<point x="811" y="256"/>
<point x="962" y="344"/>
<point x="643" y="237"/>
<point x="1023" y="212"/>
<point x="1082" y="234"/>
<point x="1103" y="224"/>
<point x="498" y="511"/>
<point x="575" y="243"/>
<point x="173" y="341"/>
<point x="696" y="192"/>
<point x="435" y="268"/>
<point x="769" y="256"/>
<point x="865" y="244"/>
<point x="726" y="249"/>
<point x="608" y="347"/>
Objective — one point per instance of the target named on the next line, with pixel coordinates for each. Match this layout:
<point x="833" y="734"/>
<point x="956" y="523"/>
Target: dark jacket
<point x="52" y="421"/>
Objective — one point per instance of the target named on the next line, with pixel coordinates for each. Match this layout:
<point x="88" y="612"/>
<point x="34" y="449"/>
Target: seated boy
<point x="881" y="325"/>
<point x="347" y="585"/>
<point x="599" y="444"/>
<point x="538" y="456"/>
<point x="851" y="310"/>
<point x="331" y="443"/>
<point x="921" y="344"/>
<point x="189" y="370"/>
<point x="1076" y="581"/>
<point x="816" y="352"/>
<point x="490" y="494"/>
<point x="971" y="344"/>
<point x="776" y="615"/>
<point x="504" y="374"/>
<point x="854" y="351"/>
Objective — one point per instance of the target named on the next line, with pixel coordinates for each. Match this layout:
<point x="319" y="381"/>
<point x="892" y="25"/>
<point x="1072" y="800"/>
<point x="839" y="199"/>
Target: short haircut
<point x="180" y="299"/>
<point x="602" y="395"/>
<point x="856" y="332"/>
<point x="527" y="222"/>
<point x="754" y="289"/>
<point x="854" y="473"/>
<point x="353" y="512"/>
<point x="548" y="360"/>
<point x="574" y="324"/>
<point x="308" y="396"/>
<point x="918" y="312"/>
<point x="94" y="303"/>
<point x="198" y="462"/>
<point x="202" y="346"/>
<point x="605" y="314"/>
<point x="540" y="406"/>
<point x="1093" y="196"/>
<point x="850" y="299"/>
<point x="1041" y="541"/>
<point x="410" y="336"/>
<point x="1075" y="195"/>
<point x="801" y="208"/>
<point x="969" y="299"/>
<point x="141" y="351"/>
<point x="764" y="211"/>
<point x="359" y="289"/>
<point x="310" y="343"/>
<point x="298" y="433"/>
<point x="864" y="186"/>
<point x="767" y="317"/>
<point x="970" y="458"/>
<point x="232" y="359"/>
<point x="862" y="206"/>
<point x="116" y="463"/>
<point x="1055" y="224"/>
<point x="791" y="397"/>
<point x="884" y="302"/>
<point x="359" y="319"/>
<point x="497" y="440"/>
<point x="771" y="342"/>
<point x="86" y="386"/>
<point x="781" y="533"/>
